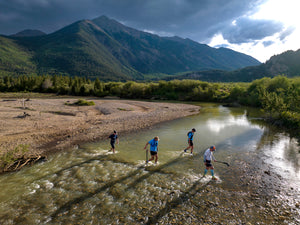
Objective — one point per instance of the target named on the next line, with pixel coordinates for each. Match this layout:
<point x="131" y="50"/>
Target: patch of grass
<point x="81" y="102"/>
<point x="15" y="96"/>
<point x="61" y="113"/>
<point x="11" y="156"/>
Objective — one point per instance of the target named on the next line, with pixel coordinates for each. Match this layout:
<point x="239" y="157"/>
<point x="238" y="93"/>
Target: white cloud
<point x="266" y="39"/>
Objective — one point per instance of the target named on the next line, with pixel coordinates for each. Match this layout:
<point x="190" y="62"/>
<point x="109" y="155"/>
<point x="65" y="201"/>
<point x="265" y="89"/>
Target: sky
<point x="259" y="28"/>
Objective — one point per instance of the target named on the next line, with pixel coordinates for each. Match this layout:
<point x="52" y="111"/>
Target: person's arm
<point x="117" y="140"/>
<point x="146" y="145"/>
<point x="212" y="157"/>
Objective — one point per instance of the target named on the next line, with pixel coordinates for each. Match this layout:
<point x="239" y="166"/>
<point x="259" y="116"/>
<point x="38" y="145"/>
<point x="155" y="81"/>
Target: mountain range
<point x="286" y="64"/>
<point x="107" y="49"/>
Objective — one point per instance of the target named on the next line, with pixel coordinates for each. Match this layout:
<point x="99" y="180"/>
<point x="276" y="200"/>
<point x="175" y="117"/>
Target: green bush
<point x="81" y="102"/>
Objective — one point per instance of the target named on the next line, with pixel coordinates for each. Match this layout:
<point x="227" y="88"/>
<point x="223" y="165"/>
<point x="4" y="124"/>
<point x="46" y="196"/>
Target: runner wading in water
<point x="153" y="148"/>
<point x="113" y="139"/>
<point x="190" y="140"/>
<point x="208" y="157"/>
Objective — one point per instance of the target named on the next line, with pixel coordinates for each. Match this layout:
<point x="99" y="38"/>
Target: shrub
<point x="81" y="102"/>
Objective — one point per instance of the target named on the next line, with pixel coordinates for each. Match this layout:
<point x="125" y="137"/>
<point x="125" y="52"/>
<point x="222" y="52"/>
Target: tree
<point x="47" y="84"/>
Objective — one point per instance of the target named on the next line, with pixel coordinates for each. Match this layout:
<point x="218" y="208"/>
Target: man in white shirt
<point x="208" y="157"/>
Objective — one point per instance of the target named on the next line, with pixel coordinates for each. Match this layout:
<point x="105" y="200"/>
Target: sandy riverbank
<point x="51" y="125"/>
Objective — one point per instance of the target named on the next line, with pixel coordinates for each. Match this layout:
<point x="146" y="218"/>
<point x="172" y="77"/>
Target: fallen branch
<point x="20" y="163"/>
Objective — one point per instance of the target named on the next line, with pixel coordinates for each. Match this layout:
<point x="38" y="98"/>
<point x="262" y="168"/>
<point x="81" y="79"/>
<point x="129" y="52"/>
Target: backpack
<point x="189" y="133"/>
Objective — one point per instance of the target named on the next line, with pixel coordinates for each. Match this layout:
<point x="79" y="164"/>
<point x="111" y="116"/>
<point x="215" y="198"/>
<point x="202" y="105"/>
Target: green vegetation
<point x="14" y="59"/>
<point x="279" y="97"/>
<point x="111" y="51"/>
<point x="286" y="63"/>
<point x="12" y="156"/>
<point x="81" y="102"/>
<point x="105" y="49"/>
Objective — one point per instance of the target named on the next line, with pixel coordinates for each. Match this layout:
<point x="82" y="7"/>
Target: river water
<point x="90" y="185"/>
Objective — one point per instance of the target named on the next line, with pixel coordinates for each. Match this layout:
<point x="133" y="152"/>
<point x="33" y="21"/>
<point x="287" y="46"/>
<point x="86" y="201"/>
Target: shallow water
<point x="90" y="185"/>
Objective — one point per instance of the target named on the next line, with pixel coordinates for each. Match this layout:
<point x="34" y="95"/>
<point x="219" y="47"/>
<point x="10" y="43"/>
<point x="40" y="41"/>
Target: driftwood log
<point x="20" y="163"/>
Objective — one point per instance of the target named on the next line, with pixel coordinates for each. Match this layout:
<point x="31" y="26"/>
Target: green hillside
<point x="154" y="54"/>
<point x="78" y="50"/>
<point x="108" y="50"/>
<point x="14" y="59"/>
<point x="287" y="64"/>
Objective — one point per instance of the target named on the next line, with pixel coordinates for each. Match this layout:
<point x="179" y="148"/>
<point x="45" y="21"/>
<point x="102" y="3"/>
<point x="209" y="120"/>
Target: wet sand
<point x="49" y="125"/>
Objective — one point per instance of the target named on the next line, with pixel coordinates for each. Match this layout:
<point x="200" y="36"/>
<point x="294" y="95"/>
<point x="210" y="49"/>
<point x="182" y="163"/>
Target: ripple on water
<point x="94" y="186"/>
<point x="47" y="184"/>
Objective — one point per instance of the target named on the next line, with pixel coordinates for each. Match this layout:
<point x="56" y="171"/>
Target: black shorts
<point x="191" y="143"/>
<point x="112" y="144"/>
<point x="208" y="163"/>
<point x="153" y="153"/>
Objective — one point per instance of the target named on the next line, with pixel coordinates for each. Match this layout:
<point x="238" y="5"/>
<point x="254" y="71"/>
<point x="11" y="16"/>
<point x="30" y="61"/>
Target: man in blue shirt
<point x="190" y="140"/>
<point x="153" y="148"/>
<point x="113" y="139"/>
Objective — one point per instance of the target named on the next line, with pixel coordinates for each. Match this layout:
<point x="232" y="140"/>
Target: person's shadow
<point x="151" y="170"/>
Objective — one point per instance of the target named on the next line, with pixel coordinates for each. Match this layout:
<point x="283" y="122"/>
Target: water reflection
<point x="89" y="185"/>
<point x="220" y="125"/>
<point x="282" y="153"/>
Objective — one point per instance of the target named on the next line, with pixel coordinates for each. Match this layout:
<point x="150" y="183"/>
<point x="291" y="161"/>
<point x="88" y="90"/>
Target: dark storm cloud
<point x="195" y="19"/>
<point x="246" y="30"/>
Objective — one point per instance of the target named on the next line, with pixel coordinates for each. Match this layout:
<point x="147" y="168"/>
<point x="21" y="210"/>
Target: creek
<point x="90" y="185"/>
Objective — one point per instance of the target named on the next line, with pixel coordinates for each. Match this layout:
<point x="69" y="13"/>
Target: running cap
<point x="213" y="147"/>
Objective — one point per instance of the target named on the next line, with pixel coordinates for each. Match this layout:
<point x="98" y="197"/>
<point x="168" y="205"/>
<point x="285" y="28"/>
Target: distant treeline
<point x="278" y="96"/>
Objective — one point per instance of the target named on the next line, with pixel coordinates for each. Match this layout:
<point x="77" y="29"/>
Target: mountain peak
<point x="29" y="33"/>
<point x="106" y="48"/>
<point x="104" y="20"/>
<point x="113" y="26"/>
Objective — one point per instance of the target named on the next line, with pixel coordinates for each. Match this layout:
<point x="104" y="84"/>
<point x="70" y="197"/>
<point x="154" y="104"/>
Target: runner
<point x="113" y="139"/>
<point x="153" y="148"/>
<point x="190" y="140"/>
<point x="208" y="157"/>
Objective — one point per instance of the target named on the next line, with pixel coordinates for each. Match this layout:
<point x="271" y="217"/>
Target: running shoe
<point x="214" y="178"/>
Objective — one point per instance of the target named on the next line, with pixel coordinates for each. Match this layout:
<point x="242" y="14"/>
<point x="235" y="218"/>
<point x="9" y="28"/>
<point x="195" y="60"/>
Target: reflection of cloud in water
<point x="246" y="141"/>
<point x="283" y="155"/>
<point x="219" y="125"/>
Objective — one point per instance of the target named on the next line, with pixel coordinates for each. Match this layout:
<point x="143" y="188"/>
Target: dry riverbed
<point x="48" y="125"/>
